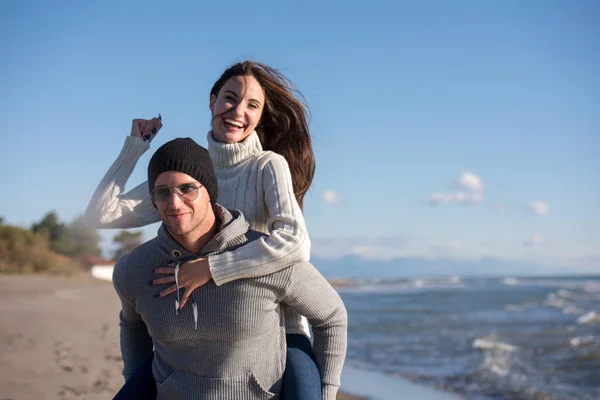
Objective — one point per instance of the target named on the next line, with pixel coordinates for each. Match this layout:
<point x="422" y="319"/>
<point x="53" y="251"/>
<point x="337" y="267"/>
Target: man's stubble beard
<point x="195" y="225"/>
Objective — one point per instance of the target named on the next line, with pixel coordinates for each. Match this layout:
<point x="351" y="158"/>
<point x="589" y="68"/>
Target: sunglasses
<point x="187" y="191"/>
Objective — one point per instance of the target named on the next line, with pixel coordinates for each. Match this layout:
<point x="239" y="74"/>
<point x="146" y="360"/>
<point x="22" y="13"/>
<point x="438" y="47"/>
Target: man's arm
<point x="136" y="343"/>
<point x="309" y="294"/>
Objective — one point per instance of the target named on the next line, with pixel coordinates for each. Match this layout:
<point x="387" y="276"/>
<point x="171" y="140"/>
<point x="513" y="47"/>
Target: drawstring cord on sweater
<point x="177" y="255"/>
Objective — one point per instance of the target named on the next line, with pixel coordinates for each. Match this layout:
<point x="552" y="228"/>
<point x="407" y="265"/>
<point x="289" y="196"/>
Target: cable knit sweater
<point x="236" y="349"/>
<point x="254" y="181"/>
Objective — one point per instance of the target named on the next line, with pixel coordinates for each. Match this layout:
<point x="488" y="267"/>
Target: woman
<point x="262" y="152"/>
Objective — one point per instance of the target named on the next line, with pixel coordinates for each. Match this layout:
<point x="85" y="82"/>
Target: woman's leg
<point x="141" y="385"/>
<point x="301" y="379"/>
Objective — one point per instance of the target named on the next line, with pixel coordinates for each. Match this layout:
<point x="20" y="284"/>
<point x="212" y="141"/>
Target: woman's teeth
<point x="233" y="123"/>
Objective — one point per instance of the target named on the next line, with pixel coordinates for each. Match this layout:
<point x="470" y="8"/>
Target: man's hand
<point x="146" y="129"/>
<point x="192" y="275"/>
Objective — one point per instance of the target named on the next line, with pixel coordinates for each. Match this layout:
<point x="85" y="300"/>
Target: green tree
<point x="127" y="241"/>
<point x="78" y="240"/>
<point x="50" y="226"/>
<point x="22" y="250"/>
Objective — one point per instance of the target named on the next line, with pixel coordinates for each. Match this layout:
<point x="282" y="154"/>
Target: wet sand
<point x="59" y="338"/>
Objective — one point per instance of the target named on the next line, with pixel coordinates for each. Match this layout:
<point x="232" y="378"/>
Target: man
<point x="231" y="343"/>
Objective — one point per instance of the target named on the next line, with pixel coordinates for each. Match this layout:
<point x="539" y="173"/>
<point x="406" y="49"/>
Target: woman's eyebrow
<point x="236" y="95"/>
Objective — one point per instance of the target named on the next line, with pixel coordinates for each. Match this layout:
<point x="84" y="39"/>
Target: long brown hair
<point x="283" y="126"/>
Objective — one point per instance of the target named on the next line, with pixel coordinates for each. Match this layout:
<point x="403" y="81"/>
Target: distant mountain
<point x="357" y="267"/>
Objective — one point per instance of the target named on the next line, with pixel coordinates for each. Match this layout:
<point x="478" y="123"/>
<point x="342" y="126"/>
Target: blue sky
<point x="416" y="106"/>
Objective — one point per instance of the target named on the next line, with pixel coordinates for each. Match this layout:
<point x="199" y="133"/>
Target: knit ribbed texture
<point x="239" y="348"/>
<point x="227" y="155"/>
<point x="251" y="180"/>
<point x="187" y="156"/>
<point x="259" y="184"/>
<point x="110" y="207"/>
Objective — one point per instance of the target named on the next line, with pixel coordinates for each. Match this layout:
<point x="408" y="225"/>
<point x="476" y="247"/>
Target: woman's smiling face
<point x="237" y="109"/>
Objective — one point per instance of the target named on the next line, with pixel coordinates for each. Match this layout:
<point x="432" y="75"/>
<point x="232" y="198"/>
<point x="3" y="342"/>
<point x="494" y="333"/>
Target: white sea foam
<point x="565" y="293"/>
<point x="572" y="310"/>
<point x="589" y="318"/>
<point x="591" y="287"/>
<point x="582" y="340"/>
<point x="499" y="370"/>
<point x="554" y="300"/>
<point x="519" y="307"/>
<point x="492" y="344"/>
<point x="497" y="362"/>
<point x="513" y="307"/>
<point x="510" y="281"/>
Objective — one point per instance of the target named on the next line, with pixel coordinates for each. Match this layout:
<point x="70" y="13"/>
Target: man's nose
<point x="174" y="200"/>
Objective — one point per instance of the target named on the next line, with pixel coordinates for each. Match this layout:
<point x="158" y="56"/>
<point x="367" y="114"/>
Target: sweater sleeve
<point x="136" y="343"/>
<point x="110" y="207"/>
<point x="287" y="242"/>
<point x="309" y="294"/>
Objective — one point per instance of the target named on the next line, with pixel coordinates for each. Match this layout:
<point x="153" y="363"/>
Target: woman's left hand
<point x="192" y="275"/>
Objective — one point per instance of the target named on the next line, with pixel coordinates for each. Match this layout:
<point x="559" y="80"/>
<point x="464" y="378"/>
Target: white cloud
<point x="331" y="197"/>
<point x="468" y="181"/>
<point x="470" y="191"/>
<point x="437" y="199"/>
<point x="535" y="241"/>
<point x="538" y="208"/>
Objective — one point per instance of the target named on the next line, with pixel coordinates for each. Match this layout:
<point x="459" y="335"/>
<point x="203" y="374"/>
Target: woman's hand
<point x="146" y="129"/>
<point x="192" y="275"/>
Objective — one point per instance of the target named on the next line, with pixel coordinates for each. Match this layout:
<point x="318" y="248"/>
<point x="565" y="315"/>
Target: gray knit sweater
<point x="236" y="349"/>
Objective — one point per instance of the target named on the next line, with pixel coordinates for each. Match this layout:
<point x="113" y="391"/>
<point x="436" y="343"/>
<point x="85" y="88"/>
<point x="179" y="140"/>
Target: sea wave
<point x="589" y="318"/>
<point x="584" y="285"/>
<point x="583" y="340"/>
<point x="488" y="343"/>
<point x="400" y="285"/>
<point x="520" y="307"/>
<point x="510" y="281"/>
<point x="557" y="301"/>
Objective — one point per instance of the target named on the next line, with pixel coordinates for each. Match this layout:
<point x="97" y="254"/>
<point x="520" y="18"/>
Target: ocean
<point x="481" y="338"/>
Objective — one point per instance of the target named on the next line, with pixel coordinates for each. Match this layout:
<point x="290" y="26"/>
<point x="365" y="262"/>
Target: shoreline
<point x="59" y="339"/>
<point x="375" y="385"/>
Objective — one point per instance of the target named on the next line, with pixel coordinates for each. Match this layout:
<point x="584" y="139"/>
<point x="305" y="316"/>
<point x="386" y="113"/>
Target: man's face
<point x="182" y="216"/>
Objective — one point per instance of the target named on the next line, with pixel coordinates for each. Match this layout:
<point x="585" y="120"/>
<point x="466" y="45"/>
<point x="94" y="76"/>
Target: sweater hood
<point x="233" y="233"/>
<point x="233" y="228"/>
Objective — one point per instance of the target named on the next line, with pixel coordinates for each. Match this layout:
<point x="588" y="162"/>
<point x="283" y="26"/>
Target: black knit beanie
<point x="184" y="155"/>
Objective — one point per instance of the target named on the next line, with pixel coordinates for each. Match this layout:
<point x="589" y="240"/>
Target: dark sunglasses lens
<point x="161" y="195"/>
<point x="189" y="192"/>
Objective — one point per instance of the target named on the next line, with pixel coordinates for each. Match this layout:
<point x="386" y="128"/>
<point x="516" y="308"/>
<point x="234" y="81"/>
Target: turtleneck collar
<point x="231" y="154"/>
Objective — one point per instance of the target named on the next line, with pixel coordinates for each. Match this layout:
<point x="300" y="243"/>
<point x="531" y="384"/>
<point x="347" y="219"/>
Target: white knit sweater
<point x="254" y="181"/>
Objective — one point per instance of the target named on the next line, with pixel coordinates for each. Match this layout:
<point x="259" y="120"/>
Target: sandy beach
<point x="59" y="338"/>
